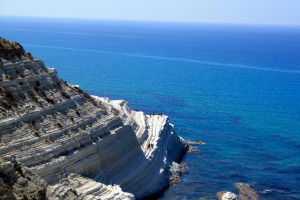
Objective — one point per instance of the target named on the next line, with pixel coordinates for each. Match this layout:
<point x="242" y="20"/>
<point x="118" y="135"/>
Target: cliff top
<point x="11" y="50"/>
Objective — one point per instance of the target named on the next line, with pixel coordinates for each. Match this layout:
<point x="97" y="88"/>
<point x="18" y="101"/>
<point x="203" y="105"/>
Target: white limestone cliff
<point x="84" y="147"/>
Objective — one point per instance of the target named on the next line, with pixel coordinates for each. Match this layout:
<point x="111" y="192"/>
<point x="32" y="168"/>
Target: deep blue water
<point x="235" y="87"/>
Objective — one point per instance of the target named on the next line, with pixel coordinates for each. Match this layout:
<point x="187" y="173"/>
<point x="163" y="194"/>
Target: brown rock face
<point x="18" y="182"/>
<point x="10" y="50"/>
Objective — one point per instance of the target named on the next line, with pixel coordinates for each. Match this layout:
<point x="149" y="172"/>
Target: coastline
<point x="82" y="146"/>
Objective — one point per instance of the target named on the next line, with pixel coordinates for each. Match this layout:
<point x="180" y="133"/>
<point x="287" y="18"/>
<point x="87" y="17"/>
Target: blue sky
<point x="217" y="11"/>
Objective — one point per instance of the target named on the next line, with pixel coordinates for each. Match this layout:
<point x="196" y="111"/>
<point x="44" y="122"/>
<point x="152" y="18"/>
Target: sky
<point x="283" y="12"/>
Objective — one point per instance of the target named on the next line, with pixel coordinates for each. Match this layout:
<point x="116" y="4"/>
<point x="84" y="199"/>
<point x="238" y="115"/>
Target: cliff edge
<point x="80" y="146"/>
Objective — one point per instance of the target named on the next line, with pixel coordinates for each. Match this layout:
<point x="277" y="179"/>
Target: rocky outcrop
<point x="18" y="182"/>
<point x="177" y="170"/>
<point x="78" y="187"/>
<point x="66" y="136"/>
<point x="11" y="50"/>
<point x="246" y="192"/>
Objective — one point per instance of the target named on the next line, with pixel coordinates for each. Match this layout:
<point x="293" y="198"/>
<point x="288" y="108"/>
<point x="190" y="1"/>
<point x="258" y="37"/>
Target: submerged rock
<point x="246" y="192"/>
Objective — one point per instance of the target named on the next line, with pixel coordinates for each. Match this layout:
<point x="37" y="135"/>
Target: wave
<point x="210" y="63"/>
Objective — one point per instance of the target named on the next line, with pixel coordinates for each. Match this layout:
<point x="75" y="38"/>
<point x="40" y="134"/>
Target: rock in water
<point x="226" y="196"/>
<point x="229" y="196"/>
<point x="246" y="192"/>
<point x="81" y="145"/>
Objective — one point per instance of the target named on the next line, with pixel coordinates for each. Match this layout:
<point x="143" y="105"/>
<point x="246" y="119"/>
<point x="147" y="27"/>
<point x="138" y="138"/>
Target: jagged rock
<point x="246" y="192"/>
<point x="191" y="149"/>
<point x="18" y="182"/>
<point x="227" y="196"/>
<point x="10" y="50"/>
<point x="56" y="129"/>
<point x="177" y="170"/>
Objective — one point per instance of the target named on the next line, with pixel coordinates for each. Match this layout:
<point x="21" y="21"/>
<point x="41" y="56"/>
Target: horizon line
<point x="150" y="21"/>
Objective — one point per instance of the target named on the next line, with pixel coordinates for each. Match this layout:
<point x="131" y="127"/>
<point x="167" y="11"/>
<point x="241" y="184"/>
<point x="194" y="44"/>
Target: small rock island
<point x="58" y="142"/>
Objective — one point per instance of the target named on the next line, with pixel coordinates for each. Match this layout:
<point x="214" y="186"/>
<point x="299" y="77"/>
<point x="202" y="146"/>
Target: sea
<point x="235" y="87"/>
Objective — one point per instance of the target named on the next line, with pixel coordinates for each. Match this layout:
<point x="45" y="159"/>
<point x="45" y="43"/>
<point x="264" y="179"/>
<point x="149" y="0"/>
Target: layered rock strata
<point x="84" y="147"/>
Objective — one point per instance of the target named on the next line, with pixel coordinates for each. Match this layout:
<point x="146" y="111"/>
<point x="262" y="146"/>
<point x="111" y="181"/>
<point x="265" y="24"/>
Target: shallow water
<point x="235" y="87"/>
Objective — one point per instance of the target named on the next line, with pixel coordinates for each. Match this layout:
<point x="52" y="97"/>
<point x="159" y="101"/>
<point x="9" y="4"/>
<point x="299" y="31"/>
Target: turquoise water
<point x="235" y="87"/>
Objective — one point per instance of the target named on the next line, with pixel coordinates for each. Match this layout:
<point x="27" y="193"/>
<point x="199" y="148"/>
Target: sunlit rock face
<point x="81" y="145"/>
